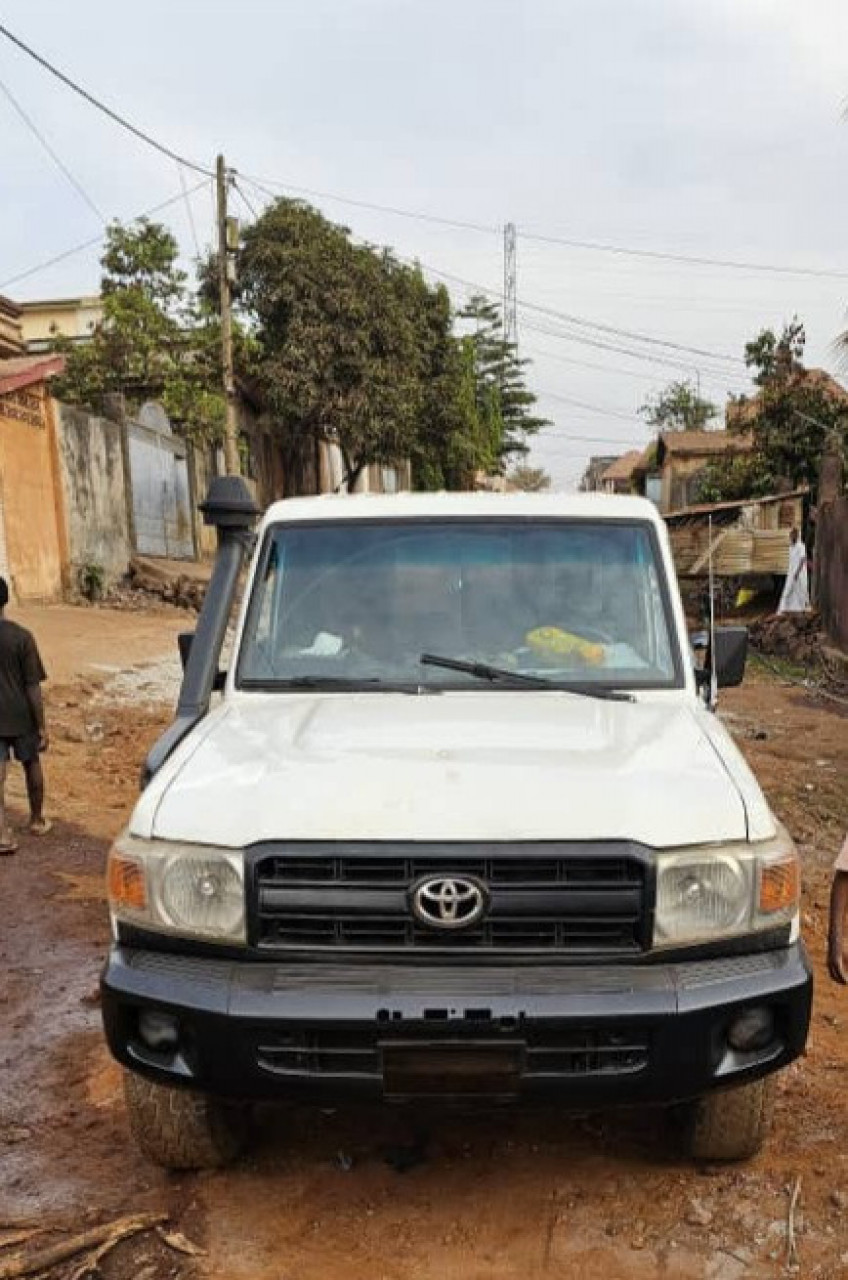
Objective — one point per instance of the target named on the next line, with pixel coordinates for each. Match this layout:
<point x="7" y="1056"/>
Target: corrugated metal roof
<point x="706" y="508"/>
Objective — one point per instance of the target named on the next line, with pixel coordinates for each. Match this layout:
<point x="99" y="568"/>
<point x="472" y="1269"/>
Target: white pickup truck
<point x="462" y="825"/>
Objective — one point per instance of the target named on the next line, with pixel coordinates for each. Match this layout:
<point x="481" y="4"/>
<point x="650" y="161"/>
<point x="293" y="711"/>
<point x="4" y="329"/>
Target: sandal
<point x="40" y="826"/>
<point x="8" y="847"/>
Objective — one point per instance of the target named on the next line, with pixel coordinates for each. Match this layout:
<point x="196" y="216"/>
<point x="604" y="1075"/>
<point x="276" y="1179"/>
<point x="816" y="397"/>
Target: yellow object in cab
<point x="553" y="642"/>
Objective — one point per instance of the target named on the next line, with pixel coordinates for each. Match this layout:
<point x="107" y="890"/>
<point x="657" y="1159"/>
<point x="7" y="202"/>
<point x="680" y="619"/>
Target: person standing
<point x="795" y="597"/>
<point x="22" y="728"/>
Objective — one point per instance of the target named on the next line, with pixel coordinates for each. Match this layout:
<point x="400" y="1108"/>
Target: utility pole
<point x="225" y="266"/>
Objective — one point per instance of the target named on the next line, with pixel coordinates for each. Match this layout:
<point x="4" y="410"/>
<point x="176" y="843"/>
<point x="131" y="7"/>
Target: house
<point x="11" y="343"/>
<point x="73" y="318"/>
<point x="618" y="477"/>
<point x="740" y="413"/>
<point x="591" y="482"/>
<point x="33" y="548"/>
<point x="749" y="536"/>
<point x="669" y="471"/>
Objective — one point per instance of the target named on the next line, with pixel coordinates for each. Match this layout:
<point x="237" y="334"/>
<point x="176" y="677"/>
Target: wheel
<point x="182" y="1130"/>
<point x="732" y="1124"/>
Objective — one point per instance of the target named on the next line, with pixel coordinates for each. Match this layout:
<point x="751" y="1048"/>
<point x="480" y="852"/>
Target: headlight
<point x="723" y="891"/>
<point x="185" y="889"/>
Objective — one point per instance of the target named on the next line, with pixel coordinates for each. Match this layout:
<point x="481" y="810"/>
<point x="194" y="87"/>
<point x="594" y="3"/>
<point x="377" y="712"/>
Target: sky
<point x="711" y="129"/>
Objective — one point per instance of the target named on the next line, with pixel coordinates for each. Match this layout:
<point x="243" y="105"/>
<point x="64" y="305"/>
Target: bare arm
<point x="36" y="702"/>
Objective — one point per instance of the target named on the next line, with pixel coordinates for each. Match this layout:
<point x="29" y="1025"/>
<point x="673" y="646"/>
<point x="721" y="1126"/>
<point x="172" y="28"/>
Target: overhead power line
<point x="590" y="408"/>
<point x="189" y="210"/>
<point x="568" y="437"/>
<point x="89" y="244"/>
<point x="272" y="189"/>
<point x="57" y="160"/>
<point x="632" y="334"/>
<point x="541" y="353"/>
<point x="663" y="361"/>
<point x="242" y="194"/>
<point x="591" y="246"/>
<point x="691" y="260"/>
<point x="101" y="106"/>
<point x="582" y="321"/>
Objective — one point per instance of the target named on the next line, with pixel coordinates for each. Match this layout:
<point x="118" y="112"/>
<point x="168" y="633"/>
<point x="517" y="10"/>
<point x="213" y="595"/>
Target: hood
<point x="458" y="766"/>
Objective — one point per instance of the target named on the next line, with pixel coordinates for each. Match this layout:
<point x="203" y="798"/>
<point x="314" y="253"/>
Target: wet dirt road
<point x="378" y="1194"/>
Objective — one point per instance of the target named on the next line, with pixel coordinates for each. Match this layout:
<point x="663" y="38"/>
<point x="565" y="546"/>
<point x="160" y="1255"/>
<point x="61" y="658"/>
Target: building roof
<point x="701" y="443"/>
<point x="709" y="508"/>
<point x="739" y="412"/>
<point x="23" y="371"/>
<point x="62" y="304"/>
<point x="493" y="506"/>
<point x="623" y="467"/>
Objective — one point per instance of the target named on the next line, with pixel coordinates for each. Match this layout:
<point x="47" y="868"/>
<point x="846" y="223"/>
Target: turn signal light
<point x="779" y="885"/>
<point x="126" y="883"/>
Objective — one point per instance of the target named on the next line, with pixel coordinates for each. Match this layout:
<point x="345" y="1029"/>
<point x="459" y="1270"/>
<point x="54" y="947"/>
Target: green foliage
<point x="679" y="407"/>
<point x="341" y="342"/>
<point x="503" y="400"/>
<point x="335" y="328"/>
<point x="354" y="347"/>
<point x="92" y="580"/>
<point x="156" y="341"/>
<point x="774" y="359"/>
<point x="529" y="479"/>
<point x="789" y="421"/>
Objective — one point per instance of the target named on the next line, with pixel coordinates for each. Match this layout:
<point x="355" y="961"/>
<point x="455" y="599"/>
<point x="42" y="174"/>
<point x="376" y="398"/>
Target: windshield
<point x="347" y="603"/>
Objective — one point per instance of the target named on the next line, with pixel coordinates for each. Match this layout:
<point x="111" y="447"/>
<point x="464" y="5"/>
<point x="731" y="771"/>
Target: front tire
<point x="732" y="1124"/>
<point x="178" y="1129"/>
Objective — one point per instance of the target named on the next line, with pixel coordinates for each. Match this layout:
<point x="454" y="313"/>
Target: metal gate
<point x="160" y="494"/>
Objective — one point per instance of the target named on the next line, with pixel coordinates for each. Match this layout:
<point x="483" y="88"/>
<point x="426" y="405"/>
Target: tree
<point x="339" y="356"/>
<point x="788" y="420"/>
<point x="679" y="407"/>
<point x="354" y="348"/>
<point x="529" y="479"/>
<point x="450" y="444"/>
<point x="156" y="340"/>
<point x="504" y="402"/>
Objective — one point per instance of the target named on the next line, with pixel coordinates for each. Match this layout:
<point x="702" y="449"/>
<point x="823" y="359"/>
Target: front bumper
<point x="612" y="1033"/>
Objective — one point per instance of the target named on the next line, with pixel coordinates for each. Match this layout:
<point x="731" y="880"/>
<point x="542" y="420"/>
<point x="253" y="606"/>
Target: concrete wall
<point x="30" y="498"/>
<point x="94" y="487"/>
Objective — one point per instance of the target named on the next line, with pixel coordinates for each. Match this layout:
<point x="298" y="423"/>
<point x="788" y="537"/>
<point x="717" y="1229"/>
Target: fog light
<point x="751" y="1029"/>
<point x="159" y="1031"/>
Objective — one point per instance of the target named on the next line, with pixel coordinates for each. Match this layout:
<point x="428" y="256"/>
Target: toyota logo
<point x="449" y="902"/>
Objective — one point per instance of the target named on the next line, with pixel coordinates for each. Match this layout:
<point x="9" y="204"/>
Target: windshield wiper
<point x="483" y="671"/>
<point x="345" y="684"/>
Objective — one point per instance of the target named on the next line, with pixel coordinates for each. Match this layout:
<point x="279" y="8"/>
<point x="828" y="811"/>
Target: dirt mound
<point x="183" y="585"/>
<point x="797" y="636"/>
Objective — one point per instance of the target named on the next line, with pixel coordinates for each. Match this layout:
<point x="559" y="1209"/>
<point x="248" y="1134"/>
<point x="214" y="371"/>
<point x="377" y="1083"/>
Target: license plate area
<point x="452" y="1069"/>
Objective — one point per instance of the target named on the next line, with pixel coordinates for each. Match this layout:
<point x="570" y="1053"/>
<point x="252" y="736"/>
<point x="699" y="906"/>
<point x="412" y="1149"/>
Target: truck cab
<point x="461" y="825"/>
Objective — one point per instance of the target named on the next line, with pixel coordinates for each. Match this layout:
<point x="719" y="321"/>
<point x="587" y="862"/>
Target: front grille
<point x="547" y="1053"/>
<point x="570" y="904"/>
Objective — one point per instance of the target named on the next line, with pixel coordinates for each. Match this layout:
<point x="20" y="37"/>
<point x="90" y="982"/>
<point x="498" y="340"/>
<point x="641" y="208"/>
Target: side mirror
<point x="185" y="640"/>
<point x="731" y="651"/>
